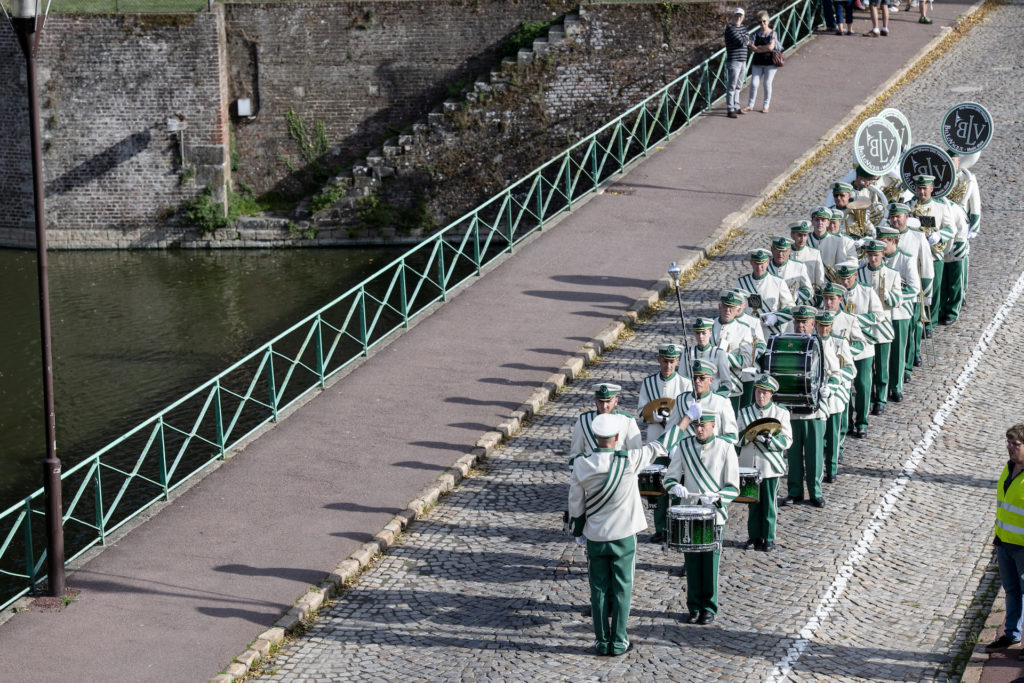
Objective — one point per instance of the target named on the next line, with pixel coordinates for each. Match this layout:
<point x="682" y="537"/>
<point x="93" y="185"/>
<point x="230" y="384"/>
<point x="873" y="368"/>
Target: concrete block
<point x="312" y="600"/>
<point x="248" y="658"/>
<point x="236" y="670"/>
<point x="222" y="678"/>
<point x="274" y="635"/>
<point x="261" y="647"/>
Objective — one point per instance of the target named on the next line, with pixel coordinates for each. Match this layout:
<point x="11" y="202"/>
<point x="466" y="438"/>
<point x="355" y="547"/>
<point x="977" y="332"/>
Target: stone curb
<point x="362" y="558"/>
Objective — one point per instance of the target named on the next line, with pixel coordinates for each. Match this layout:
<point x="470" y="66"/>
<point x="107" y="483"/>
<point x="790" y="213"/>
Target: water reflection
<point x="133" y="331"/>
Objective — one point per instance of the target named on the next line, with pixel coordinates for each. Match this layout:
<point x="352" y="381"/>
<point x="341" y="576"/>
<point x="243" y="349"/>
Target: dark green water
<point x="133" y="331"/>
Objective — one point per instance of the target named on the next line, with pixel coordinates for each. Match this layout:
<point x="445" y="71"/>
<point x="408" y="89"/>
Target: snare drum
<point x="650" y="481"/>
<point x="750" y="485"/>
<point x="692" y="529"/>
<point x="794" y="360"/>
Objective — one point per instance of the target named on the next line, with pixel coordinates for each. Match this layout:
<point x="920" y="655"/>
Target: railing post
<point x="474" y="227"/>
<point x="646" y="135"/>
<point x="319" y="351"/>
<point x="440" y="269"/>
<point x="98" y="492"/>
<point x="163" y="457"/>
<point x="219" y="417"/>
<point x="270" y="381"/>
<point x="362" y="322"/>
<point x="30" y="555"/>
<point x="593" y="165"/>
<point x="620" y="150"/>
<point x="508" y="220"/>
<point x="403" y="294"/>
<point x="568" y="182"/>
<point x="539" y="194"/>
<point x="664" y="110"/>
<point x="707" y="84"/>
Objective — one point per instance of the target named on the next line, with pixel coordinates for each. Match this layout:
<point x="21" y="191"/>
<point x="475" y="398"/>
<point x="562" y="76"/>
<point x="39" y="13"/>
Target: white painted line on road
<point x="830" y="599"/>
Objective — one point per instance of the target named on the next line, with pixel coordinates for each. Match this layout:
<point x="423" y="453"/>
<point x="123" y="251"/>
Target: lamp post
<point x="674" y="272"/>
<point x="27" y="21"/>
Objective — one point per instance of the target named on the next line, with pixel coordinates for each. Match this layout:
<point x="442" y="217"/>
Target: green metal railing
<point x="145" y="465"/>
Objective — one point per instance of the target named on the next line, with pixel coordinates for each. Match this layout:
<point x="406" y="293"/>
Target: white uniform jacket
<point x="717" y="357"/>
<point x="903" y="263"/>
<point x="837" y="361"/>
<point x="862" y="302"/>
<point x="769" y="459"/>
<point x="834" y="248"/>
<point x="655" y="386"/>
<point x="971" y="201"/>
<point x="725" y="425"/>
<point x="811" y="258"/>
<point x="797" y="278"/>
<point x="584" y="441"/>
<point x="604" y="500"/>
<point x="775" y="298"/>
<point x="886" y="283"/>
<point x="849" y="328"/>
<point x="938" y="214"/>
<point x="709" y="467"/>
<point x="737" y="340"/>
<point x="915" y="243"/>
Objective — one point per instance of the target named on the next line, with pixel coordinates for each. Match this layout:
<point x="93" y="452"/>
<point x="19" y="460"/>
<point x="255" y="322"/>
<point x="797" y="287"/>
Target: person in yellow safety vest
<point x="1009" y="539"/>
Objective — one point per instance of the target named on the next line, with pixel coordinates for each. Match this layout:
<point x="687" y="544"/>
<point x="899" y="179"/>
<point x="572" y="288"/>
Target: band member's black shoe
<point x="828" y="479"/>
<point x="588" y="611"/>
<point x="861" y="433"/>
<point x="877" y="409"/>
<point x="657" y="537"/>
<point x="917" y="362"/>
<point x="818" y="502"/>
<point x="691" y="618"/>
<point x="895" y="397"/>
<point x="927" y="333"/>
<point x="767" y="547"/>
<point x="753" y="543"/>
<point x="706" y="618"/>
<point x="790" y="500"/>
<point x="619" y="654"/>
<point x="946" y="321"/>
<point x="906" y="378"/>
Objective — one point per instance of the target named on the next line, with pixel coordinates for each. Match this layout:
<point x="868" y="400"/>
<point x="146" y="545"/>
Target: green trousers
<point x="844" y="425"/>
<point x="661" y="512"/>
<point x="936" y="293"/>
<point x="954" y="286"/>
<point x="611" y="565"/>
<point x="880" y="375"/>
<point x="913" y="341"/>
<point x="702" y="581"/>
<point x="762" y="514"/>
<point x="833" y="439"/>
<point x="898" y="354"/>
<point x="805" y="458"/>
<point x="862" y="392"/>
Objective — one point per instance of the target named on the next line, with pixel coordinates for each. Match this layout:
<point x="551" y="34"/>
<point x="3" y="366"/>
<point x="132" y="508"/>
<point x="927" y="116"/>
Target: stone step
<point x="406" y="140"/>
<point x="556" y="34"/>
<point x="391" y="149"/>
<point x="524" y="56"/>
<point x="366" y="181"/>
<point x="375" y="159"/>
<point x="451" y="105"/>
<point x="540" y="46"/>
<point x="420" y="128"/>
<point x="508" y="64"/>
<point x="435" y="119"/>
<point x="572" y="25"/>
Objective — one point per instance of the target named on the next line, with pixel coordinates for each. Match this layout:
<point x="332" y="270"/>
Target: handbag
<point x="778" y="58"/>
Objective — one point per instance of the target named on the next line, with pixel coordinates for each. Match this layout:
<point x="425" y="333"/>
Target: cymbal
<point x="760" y="426"/>
<point x="654" y="406"/>
<point x="859" y="204"/>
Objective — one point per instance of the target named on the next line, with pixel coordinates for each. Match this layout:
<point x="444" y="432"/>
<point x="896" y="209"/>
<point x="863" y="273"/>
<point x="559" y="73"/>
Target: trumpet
<point x="856" y="218"/>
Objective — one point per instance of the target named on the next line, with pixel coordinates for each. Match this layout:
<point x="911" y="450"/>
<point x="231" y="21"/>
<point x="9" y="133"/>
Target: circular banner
<point x="900" y="123"/>
<point x="967" y="128"/>
<point x="928" y="160"/>
<point x="876" y="146"/>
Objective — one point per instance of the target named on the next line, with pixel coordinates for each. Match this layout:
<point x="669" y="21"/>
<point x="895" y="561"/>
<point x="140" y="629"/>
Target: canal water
<point x="135" y="330"/>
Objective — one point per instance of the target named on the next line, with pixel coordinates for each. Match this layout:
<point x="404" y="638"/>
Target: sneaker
<point x="873" y="33"/>
<point x="885" y="32"/>
<point x="924" y="20"/>
<point x="1001" y="643"/>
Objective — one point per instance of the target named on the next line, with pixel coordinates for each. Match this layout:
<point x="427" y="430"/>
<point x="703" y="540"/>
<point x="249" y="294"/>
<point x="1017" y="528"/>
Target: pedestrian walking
<point x="737" y="40"/>
<point x="1009" y="541"/>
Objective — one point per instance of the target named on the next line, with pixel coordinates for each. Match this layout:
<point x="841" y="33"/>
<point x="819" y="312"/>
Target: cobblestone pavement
<point x="885" y="583"/>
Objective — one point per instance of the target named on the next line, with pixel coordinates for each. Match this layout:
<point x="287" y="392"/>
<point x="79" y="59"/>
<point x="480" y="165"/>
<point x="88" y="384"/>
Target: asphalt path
<point x="185" y="592"/>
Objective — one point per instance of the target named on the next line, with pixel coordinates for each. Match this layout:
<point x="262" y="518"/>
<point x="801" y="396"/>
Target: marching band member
<point x="862" y="302"/>
<point x="792" y="271"/>
<point x="848" y="327"/>
<point x="904" y="264"/>
<point x="833" y="247"/>
<point x="860" y="182"/>
<point x="938" y="223"/>
<point x="837" y="226"/>
<point x="709" y="466"/>
<point x="703" y="349"/>
<point x="837" y="360"/>
<point x="735" y="337"/>
<point x="886" y="283"/>
<point x="666" y="383"/>
<point x="773" y="298"/>
<point x="606" y="400"/>
<point x="605" y="515"/>
<point x="915" y="243"/>
<point x="842" y="195"/>
<point x="692" y="404"/>
<point x="760" y="344"/>
<point x="767" y="453"/>
<point x="799" y="231"/>
<point x="804" y="455"/>
<point x="954" y="273"/>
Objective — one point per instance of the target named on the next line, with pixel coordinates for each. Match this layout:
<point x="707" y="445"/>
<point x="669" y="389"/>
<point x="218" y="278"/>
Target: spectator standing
<point x="763" y="68"/>
<point x="844" y="15"/>
<point x="875" y="4"/>
<point x="1009" y="541"/>
<point x="736" y="42"/>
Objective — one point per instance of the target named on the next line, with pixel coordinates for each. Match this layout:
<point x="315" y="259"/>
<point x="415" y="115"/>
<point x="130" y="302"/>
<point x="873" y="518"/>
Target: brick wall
<point x="107" y="84"/>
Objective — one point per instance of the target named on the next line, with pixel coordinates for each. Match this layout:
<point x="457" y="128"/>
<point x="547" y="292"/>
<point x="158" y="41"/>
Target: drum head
<point x="653" y="469"/>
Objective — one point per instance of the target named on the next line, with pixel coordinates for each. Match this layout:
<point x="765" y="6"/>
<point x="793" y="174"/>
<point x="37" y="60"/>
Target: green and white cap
<point x="730" y="298"/>
<point x="781" y="242"/>
<point x="846" y="268"/>
<point x="803" y="312"/>
<point x="898" y="207"/>
<point x="709" y="416"/>
<point x="825" y="317"/>
<point x="821" y="212"/>
<point x="841" y="187"/>
<point x="924" y="179"/>
<point x="703" y="323"/>
<point x="799" y="226"/>
<point x="766" y="381"/>
<point x="670" y="350"/>
<point x="887" y="231"/>
<point x="874" y="245"/>
<point x="837" y="214"/>
<point x="606" y="391"/>
<point x="834" y="288"/>
<point x="703" y="367"/>
<point x="760" y="255"/>
<point x="605" y="426"/>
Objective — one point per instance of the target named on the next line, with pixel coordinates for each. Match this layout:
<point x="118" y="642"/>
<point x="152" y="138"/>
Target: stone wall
<point x="107" y="85"/>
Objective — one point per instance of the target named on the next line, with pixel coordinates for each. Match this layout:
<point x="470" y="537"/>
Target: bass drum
<point x="794" y="360"/>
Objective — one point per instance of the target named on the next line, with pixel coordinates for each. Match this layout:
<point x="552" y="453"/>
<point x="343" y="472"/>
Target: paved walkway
<point x="182" y="595"/>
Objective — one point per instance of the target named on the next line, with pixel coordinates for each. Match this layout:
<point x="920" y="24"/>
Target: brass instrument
<point x="879" y="209"/>
<point x="928" y="227"/>
<point x="856" y="218"/>
<point x="892" y="189"/>
<point x="831" y="275"/>
<point x="959" y="191"/>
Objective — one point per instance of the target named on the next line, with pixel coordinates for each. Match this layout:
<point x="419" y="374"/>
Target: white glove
<point x="764" y="438"/>
<point x="748" y="374"/>
<point x="694" y="411"/>
<point x="927" y="301"/>
<point x="580" y="540"/>
<point x="679" y="491"/>
<point x="934" y="238"/>
<point x="858" y="244"/>
<point x="770" y="319"/>
<point x="824" y="392"/>
<point x="972" y="234"/>
<point x="913" y="222"/>
<point x="659" y="416"/>
<point x="710" y="498"/>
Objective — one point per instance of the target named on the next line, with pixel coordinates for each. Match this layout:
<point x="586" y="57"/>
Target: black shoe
<point x="1000" y="643"/>
<point x="619" y="654"/>
<point x="705" y="618"/>
<point x="927" y="334"/>
<point x="790" y="500"/>
<point x="732" y="114"/>
<point x="946" y="321"/>
<point x="895" y="397"/>
<point x="752" y="543"/>
<point x="818" y="502"/>
<point x="588" y="611"/>
<point x="767" y="547"/>
<point x="861" y="432"/>
<point x="917" y="362"/>
<point x="657" y="537"/>
<point x="906" y="378"/>
<point x="828" y="479"/>
<point x="691" y="618"/>
<point x="876" y="409"/>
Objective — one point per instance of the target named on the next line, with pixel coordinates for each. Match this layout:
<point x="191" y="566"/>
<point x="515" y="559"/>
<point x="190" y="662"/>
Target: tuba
<point x="856" y="219"/>
<point x="879" y="208"/>
<point x="959" y="191"/>
<point x="892" y="188"/>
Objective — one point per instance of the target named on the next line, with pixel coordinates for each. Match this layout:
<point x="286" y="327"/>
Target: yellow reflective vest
<point x="1010" y="509"/>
